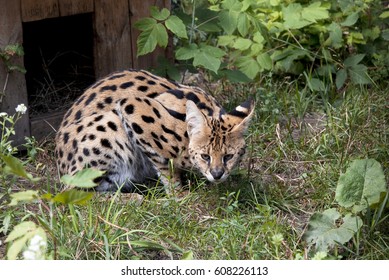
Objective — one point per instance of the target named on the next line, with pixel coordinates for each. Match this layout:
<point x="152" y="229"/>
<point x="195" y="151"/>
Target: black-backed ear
<point x="241" y="116"/>
<point x="195" y="120"/>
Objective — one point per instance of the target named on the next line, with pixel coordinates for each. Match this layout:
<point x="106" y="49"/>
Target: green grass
<point x="298" y="142"/>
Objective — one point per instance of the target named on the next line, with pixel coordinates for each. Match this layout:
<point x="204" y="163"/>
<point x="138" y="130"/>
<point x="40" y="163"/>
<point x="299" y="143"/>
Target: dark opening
<point x="59" y="61"/>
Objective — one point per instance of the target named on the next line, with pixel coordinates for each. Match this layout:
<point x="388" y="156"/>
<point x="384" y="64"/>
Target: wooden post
<point x="112" y="40"/>
<point x="15" y="90"/>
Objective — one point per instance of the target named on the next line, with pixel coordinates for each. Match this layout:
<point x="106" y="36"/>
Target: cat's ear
<point x="195" y="120"/>
<point x="241" y="116"/>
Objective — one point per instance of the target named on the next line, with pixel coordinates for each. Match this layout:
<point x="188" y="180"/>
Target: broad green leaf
<point x="314" y="12"/>
<point x="341" y="77"/>
<point x="228" y="20"/>
<point x="350" y="20"/>
<point x="146" y="42"/>
<point x="358" y="75"/>
<point x="175" y="25"/>
<point x="161" y="34"/>
<point x="264" y="61"/>
<point x="316" y="84"/>
<point x="233" y="5"/>
<point x="20" y="230"/>
<point x="145" y="24"/>
<point x="225" y="40"/>
<point x="83" y="178"/>
<point x="208" y="57"/>
<point x="72" y="196"/>
<point x="363" y="185"/>
<point x="15" y="166"/>
<point x="25" y="196"/>
<point x="385" y="34"/>
<point x="159" y="14"/>
<point x="335" y="35"/>
<point x="258" y="38"/>
<point x="243" y="24"/>
<point x="353" y="60"/>
<point x="292" y="16"/>
<point x="324" y="230"/>
<point x="242" y="44"/>
<point x="249" y="66"/>
<point x="235" y="76"/>
<point x="185" y="53"/>
<point x="384" y="15"/>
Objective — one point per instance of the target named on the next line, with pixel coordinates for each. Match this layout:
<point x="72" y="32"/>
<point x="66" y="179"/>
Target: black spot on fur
<point x="107" y="88"/>
<point x="148" y="119"/>
<point x="153" y="94"/>
<point x="126" y="85"/>
<point x="74" y="144"/>
<point x="100" y="105"/>
<point x="112" y="126"/>
<point x="151" y="82"/>
<point x="179" y="94"/>
<point x="65" y="137"/>
<point x="108" y="100"/>
<point x="70" y="156"/>
<point x="96" y="151"/>
<point x="163" y="138"/>
<point x="100" y="128"/>
<point x="143" y="88"/>
<point x="156" y="112"/>
<point x="167" y="130"/>
<point x="177" y="115"/>
<point x="105" y="143"/>
<point x="99" y="118"/>
<point x="192" y="96"/>
<point x="86" y="152"/>
<point x="140" y="78"/>
<point x="129" y="109"/>
<point x="78" y="115"/>
<point x="80" y="99"/>
<point x="159" y="145"/>
<point x="117" y="76"/>
<point x="92" y="137"/>
<point x="90" y="98"/>
<point x="80" y="128"/>
<point x="165" y="86"/>
<point x="137" y="128"/>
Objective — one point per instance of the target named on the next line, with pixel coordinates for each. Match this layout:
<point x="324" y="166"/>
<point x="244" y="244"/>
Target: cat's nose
<point x="217" y="173"/>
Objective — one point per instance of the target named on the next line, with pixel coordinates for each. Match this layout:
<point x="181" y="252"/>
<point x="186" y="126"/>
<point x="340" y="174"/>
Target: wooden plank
<point x="15" y="88"/>
<point x="74" y="7"/>
<point x="36" y="10"/>
<point x="45" y="126"/>
<point x="141" y="9"/>
<point x="112" y="42"/>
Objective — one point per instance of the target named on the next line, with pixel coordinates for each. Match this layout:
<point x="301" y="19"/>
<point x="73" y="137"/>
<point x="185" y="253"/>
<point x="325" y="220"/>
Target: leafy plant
<point x="360" y="188"/>
<point x="328" y="40"/>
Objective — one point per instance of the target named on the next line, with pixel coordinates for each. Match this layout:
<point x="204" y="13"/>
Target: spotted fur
<point x="133" y="125"/>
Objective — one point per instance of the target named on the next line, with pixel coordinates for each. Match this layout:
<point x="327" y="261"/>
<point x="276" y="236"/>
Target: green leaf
<point x="353" y="60"/>
<point x="242" y="44"/>
<point x="249" y="66"/>
<point x="20" y="230"/>
<point x="72" y="196"/>
<point x="185" y="53"/>
<point x="385" y="34"/>
<point x="384" y="15"/>
<point x="265" y="61"/>
<point x="341" y="77"/>
<point x="15" y="166"/>
<point x="234" y="76"/>
<point x="145" y="24"/>
<point x="159" y="15"/>
<point x="363" y="185"/>
<point x="83" y="178"/>
<point x="228" y="20"/>
<point x="335" y="32"/>
<point x="350" y="20"/>
<point x="324" y="230"/>
<point x="315" y="12"/>
<point x="153" y="33"/>
<point x="225" y="40"/>
<point x="316" y="84"/>
<point x="292" y="16"/>
<point x="243" y="24"/>
<point x="25" y="196"/>
<point x="358" y="75"/>
<point x="209" y="57"/>
<point x="188" y="255"/>
<point x="175" y="25"/>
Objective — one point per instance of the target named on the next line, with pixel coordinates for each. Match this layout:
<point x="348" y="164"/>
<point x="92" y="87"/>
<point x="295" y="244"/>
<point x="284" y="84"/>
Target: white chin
<point x="212" y="180"/>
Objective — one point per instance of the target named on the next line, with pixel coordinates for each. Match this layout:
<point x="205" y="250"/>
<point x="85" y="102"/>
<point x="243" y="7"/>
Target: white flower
<point x="21" y="108"/>
<point x="36" y="249"/>
<point x="3" y="114"/>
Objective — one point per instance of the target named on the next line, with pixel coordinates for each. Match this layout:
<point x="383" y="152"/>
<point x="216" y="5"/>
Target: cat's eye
<point x="206" y="157"/>
<point x="227" y="157"/>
